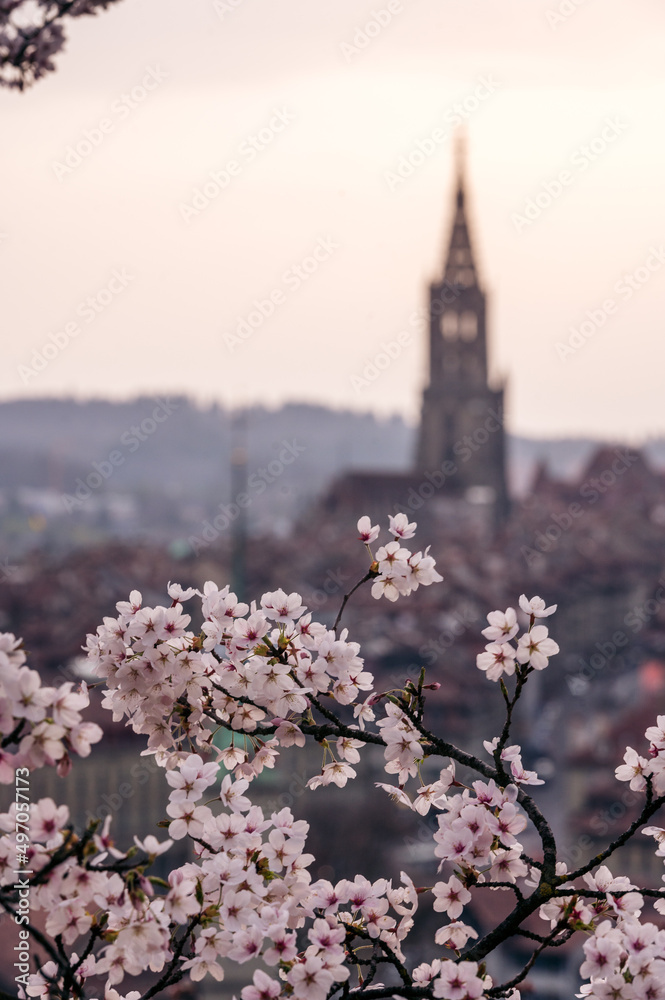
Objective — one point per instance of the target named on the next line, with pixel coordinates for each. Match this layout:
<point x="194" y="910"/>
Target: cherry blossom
<point x="451" y="897"/>
<point x="400" y="527"/>
<point x="272" y="678"/>
<point x="502" y="626"/>
<point x="536" y="607"/>
<point x="367" y="531"/>
<point x="535" y="647"/>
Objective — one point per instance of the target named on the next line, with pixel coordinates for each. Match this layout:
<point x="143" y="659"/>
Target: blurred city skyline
<point x="129" y="269"/>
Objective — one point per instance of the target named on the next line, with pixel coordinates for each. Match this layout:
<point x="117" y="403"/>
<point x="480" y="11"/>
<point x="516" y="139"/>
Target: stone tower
<point x="461" y="431"/>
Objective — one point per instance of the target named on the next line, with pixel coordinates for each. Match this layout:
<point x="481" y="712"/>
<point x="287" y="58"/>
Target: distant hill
<point x="180" y="454"/>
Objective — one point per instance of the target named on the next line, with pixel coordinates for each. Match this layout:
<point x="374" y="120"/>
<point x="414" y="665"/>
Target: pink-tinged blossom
<point x="392" y="558"/>
<point x="231" y="756"/>
<point x="38" y="985"/>
<point x="506" y="823"/>
<point x="388" y="585"/>
<point x="176" y="592"/>
<point x="264" y="988"/>
<point x="181" y="902"/>
<point x="535" y="647"/>
<point x="397" y="794"/>
<point x="604" y="880"/>
<point x="656" y="734"/>
<point x="633" y="770"/>
<point x="66" y="706"/>
<point x="427" y="796"/>
<point x="192" y="779"/>
<point x="43" y="745"/>
<point x="507" y="866"/>
<point x="400" y="526"/>
<point x="522" y="777"/>
<point x="498" y="659"/>
<point x="68" y="918"/>
<point x="29" y="699"/>
<point x="348" y="748"/>
<point x="458" y="981"/>
<point x="46" y="822"/>
<point x="82" y="737"/>
<point x="199" y="967"/>
<point x="188" y="819"/>
<point x="128" y="609"/>
<point x="454" y="843"/>
<point x="613" y="987"/>
<point x="337" y="773"/>
<point x="658" y="833"/>
<point x="404" y="898"/>
<point x="424" y="973"/>
<point x="104" y="842"/>
<point x="423" y="572"/>
<point x="536" y="607"/>
<point x="152" y="847"/>
<point x="221" y="604"/>
<point x="451" y="897"/>
<point x="251" y="630"/>
<point x="602" y="951"/>
<point x="367" y="532"/>
<point x="502" y="626"/>
<point x="283" y="607"/>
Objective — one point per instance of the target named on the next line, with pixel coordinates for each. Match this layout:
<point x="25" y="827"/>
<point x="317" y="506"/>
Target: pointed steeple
<point x="460" y="268"/>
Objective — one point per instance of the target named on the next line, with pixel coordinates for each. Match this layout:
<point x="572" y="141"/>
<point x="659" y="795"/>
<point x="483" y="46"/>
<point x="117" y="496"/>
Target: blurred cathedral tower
<point x="461" y="430"/>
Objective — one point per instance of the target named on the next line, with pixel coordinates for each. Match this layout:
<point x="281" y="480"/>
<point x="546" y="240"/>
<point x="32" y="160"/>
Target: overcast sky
<point x="305" y="109"/>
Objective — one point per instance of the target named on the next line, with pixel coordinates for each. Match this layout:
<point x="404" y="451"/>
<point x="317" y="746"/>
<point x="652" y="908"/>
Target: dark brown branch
<point x="171" y="975"/>
<point x="651" y="806"/>
<point x="369" y="575"/>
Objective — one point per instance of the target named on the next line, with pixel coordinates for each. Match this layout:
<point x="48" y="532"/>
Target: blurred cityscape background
<point x="480" y="345"/>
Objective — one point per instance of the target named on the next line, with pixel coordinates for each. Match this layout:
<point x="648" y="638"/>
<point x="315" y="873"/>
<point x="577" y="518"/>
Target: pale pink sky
<point x="220" y="75"/>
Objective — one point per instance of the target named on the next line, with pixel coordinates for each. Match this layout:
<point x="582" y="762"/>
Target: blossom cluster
<point x="398" y="571"/>
<point x="41" y="725"/>
<point x="246" y="666"/>
<point x="32" y="33"/>
<point x="637" y="769"/>
<point x="270" y="676"/>
<point x="624" y="956"/>
<point x="534" y="647"/>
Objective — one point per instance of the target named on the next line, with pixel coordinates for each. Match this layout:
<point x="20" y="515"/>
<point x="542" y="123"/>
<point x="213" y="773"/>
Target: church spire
<point x="460" y="268"/>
